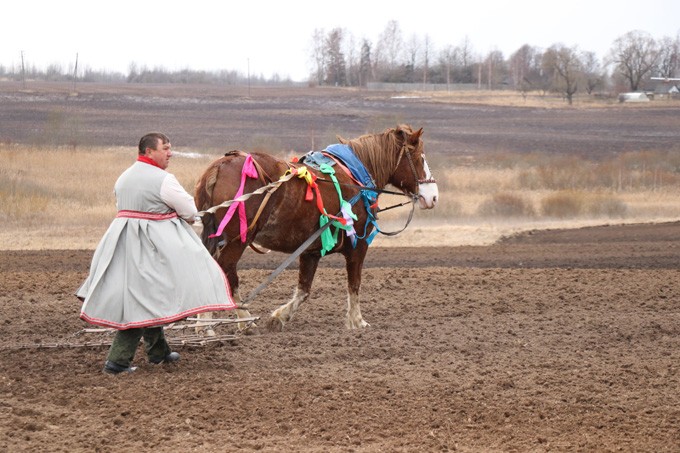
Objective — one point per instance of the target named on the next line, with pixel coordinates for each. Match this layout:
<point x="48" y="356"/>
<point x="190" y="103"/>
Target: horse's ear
<point x="415" y="136"/>
<point x="341" y="140"/>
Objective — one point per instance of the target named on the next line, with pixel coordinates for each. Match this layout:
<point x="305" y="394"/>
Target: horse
<point x="289" y="211"/>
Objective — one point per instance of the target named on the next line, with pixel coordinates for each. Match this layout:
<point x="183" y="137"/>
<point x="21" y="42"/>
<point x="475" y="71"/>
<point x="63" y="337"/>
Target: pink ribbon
<point x="249" y="171"/>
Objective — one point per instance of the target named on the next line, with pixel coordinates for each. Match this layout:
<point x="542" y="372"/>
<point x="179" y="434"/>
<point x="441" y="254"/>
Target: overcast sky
<point x="268" y="37"/>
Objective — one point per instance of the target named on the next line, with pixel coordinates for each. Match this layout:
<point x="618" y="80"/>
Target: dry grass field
<point x="504" y="163"/>
<point x="61" y="198"/>
<point x="487" y="335"/>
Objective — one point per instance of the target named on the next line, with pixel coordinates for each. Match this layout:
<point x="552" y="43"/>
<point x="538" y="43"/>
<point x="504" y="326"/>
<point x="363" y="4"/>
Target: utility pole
<point x="75" y="73"/>
<point x="248" y="77"/>
<point x="23" y="72"/>
<point x="488" y="78"/>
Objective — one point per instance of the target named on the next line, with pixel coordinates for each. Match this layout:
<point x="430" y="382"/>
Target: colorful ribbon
<point x="248" y="171"/>
<point x="344" y="221"/>
<point x="348" y="216"/>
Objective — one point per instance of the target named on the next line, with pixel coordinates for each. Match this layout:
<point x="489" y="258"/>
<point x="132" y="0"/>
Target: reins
<point x="357" y="186"/>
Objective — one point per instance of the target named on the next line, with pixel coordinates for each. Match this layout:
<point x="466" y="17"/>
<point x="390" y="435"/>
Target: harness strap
<point x="263" y="203"/>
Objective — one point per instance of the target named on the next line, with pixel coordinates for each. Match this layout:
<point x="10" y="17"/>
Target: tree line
<point x="338" y="59"/>
<point x="136" y="74"/>
<point x="632" y="59"/>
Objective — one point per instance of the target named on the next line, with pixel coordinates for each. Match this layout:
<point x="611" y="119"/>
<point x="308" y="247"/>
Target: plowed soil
<point x="549" y="341"/>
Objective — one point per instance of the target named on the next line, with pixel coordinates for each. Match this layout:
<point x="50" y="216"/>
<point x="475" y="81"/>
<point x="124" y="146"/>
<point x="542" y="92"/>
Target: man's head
<point x="156" y="146"/>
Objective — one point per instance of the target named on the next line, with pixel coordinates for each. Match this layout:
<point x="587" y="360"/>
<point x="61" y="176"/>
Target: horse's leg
<point x="354" y="263"/>
<point x="283" y="314"/>
<point x="228" y="260"/>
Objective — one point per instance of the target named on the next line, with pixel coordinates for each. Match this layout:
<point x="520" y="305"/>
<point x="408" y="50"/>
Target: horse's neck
<point x="380" y="175"/>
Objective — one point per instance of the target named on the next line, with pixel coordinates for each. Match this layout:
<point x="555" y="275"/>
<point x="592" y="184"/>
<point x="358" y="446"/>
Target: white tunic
<point x="150" y="268"/>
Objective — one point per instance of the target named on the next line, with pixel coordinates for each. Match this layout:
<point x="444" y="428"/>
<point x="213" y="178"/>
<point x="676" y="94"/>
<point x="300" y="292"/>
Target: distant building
<point x="666" y="87"/>
<point x="633" y="97"/>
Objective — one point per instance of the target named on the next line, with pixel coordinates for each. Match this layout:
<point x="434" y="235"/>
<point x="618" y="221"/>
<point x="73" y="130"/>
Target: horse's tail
<point x="204" y="200"/>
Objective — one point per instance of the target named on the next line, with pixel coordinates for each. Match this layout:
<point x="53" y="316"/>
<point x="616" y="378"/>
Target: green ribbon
<point x="330" y="238"/>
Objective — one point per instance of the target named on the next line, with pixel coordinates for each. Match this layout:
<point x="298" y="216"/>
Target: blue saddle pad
<point x="352" y="162"/>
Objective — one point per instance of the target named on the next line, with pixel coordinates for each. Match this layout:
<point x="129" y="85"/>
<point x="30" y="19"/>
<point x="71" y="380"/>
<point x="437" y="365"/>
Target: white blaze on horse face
<point x="428" y="193"/>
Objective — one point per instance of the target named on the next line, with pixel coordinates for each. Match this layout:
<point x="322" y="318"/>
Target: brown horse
<point x="290" y="213"/>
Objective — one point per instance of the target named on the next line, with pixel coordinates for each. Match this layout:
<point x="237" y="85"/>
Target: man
<point x="150" y="268"/>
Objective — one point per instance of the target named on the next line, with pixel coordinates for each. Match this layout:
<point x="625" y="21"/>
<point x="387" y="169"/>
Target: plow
<point x="178" y="334"/>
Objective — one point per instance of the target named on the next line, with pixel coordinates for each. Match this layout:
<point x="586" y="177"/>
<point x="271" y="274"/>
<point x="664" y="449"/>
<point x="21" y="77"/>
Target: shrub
<point x="606" y="206"/>
<point x="506" y="205"/>
<point x="570" y="203"/>
<point x="562" y="204"/>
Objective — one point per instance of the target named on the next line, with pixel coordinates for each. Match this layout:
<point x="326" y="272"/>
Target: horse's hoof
<point x="358" y="325"/>
<point x="248" y="329"/>
<point x="274" y="324"/>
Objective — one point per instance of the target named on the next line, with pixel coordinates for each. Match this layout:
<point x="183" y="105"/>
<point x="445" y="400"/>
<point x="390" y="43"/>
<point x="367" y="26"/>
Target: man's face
<point x="161" y="154"/>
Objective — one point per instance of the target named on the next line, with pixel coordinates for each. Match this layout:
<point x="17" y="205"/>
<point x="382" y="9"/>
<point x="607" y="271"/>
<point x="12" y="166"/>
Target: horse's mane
<point x="371" y="150"/>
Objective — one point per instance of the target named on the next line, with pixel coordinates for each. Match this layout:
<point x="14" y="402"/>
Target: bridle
<point x="407" y="149"/>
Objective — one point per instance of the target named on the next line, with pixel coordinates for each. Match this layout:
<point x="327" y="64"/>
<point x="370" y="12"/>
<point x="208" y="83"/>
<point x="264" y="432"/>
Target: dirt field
<point x="551" y="341"/>
<point x="564" y="340"/>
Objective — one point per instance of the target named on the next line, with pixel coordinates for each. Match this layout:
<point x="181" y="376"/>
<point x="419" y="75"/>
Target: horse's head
<point x="411" y="172"/>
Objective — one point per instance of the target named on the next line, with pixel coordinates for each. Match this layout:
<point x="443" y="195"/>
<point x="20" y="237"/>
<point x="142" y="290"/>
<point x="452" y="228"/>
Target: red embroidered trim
<point x="157" y="321"/>
<point x="146" y="215"/>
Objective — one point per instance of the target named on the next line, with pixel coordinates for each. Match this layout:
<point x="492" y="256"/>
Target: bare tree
<point x="446" y="63"/>
<point x="494" y="69"/>
<point x="635" y="54"/>
<point x="669" y="56"/>
<point x="365" y="74"/>
<point x="53" y="72"/>
<point x="427" y="48"/>
<point x="353" y="54"/>
<point x="335" y="59"/>
<point x="318" y="55"/>
<point x="592" y="72"/>
<point x="133" y="72"/>
<point x="566" y="65"/>
<point x="465" y="62"/>
<point x="525" y="69"/>
<point x="388" y="50"/>
<point x="412" y="49"/>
